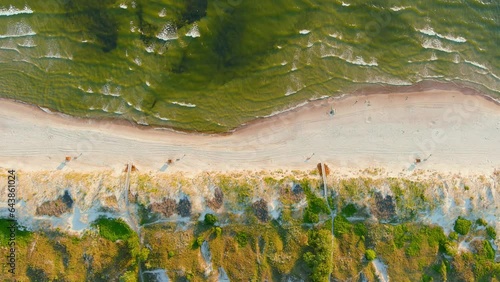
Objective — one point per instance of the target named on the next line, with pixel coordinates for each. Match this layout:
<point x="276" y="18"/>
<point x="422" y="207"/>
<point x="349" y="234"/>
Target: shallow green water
<point x="211" y="66"/>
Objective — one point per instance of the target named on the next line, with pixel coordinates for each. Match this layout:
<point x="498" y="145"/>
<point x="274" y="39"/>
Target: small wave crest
<point x="398" y="8"/>
<point x="347" y="56"/>
<point x="11" y="11"/>
<point x="106" y="90"/>
<point x="435" y="44"/>
<point x="169" y="32"/>
<point x="430" y="32"/>
<point x="28" y="43"/>
<point x="162" y="13"/>
<point x="193" y="32"/>
<point x="19" y="29"/>
<point x="189" y="105"/>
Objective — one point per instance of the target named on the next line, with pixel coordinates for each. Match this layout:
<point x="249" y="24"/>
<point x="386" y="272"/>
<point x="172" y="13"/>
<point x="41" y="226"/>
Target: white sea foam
<point x="11" y="11"/>
<point x="335" y="35"/>
<point x="386" y="80"/>
<point x="52" y="54"/>
<point x="19" y="29"/>
<point x="360" y="61"/>
<point x="133" y="28"/>
<point x="9" y="45"/>
<point x="430" y="32"/>
<point x="434" y="43"/>
<point x="150" y="48"/>
<point x="28" y="43"/>
<point x="304" y="31"/>
<point x="399" y="8"/>
<point x="169" y="32"/>
<point x="477" y="64"/>
<point x="106" y="90"/>
<point x="347" y="56"/>
<point x="290" y="91"/>
<point x="459" y="39"/>
<point x="284" y="111"/>
<point x="162" y="13"/>
<point x="193" y="32"/>
<point x="189" y="105"/>
<point x="160" y="117"/>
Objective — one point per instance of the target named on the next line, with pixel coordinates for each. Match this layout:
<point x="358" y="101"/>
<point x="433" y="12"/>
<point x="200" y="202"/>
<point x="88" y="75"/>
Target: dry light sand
<point x="448" y="130"/>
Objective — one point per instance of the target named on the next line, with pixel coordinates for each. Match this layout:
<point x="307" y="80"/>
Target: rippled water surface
<point x="212" y="65"/>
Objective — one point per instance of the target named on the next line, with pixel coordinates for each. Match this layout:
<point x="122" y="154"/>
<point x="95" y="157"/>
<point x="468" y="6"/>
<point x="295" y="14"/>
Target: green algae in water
<point x="212" y="65"/>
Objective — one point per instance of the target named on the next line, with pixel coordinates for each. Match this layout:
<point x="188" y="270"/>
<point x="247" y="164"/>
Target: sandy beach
<point x="447" y="130"/>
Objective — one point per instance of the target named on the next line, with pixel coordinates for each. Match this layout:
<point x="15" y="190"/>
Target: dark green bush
<point x="310" y="216"/>
<point x="349" y="210"/>
<point x="481" y="222"/>
<point x="462" y="225"/>
<point x="360" y="229"/>
<point x="21" y="235"/>
<point x="319" y="256"/>
<point x="491" y="232"/>
<point x="489" y="253"/>
<point x="210" y="219"/>
<point x="453" y="236"/>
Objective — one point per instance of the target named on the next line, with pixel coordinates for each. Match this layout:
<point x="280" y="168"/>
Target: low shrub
<point x="349" y="210"/>
<point x="491" y="232"/>
<point x="210" y="219"/>
<point x="462" y="225"/>
<point x="242" y="239"/>
<point x="370" y="255"/>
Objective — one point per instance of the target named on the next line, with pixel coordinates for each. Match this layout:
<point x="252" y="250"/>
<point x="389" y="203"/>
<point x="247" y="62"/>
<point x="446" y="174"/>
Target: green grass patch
<point x="462" y="225"/>
<point x="242" y="239"/>
<point x="21" y="235"/>
<point x="113" y="229"/>
<point x="315" y="205"/>
<point x="491" y="232"/>
<point x="341" y="226"/>
<point x="349" y="210"/>
<point x="319" y="254"/>
<point x="370" y="255"/>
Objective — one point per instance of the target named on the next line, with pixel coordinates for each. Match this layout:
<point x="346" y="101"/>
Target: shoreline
<point x="386" y="130"/>
<point x="422" y="86"/>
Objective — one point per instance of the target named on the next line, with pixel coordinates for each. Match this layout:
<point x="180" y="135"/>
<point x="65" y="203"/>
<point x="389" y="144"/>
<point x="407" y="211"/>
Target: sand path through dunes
<point x="449" y="131"/>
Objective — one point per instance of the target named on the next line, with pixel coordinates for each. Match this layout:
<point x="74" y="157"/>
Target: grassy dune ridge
<point x="268" y="225"/>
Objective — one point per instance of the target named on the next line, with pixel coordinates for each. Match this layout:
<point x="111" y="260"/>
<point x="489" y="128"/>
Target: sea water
<point x="215" y="64"/>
